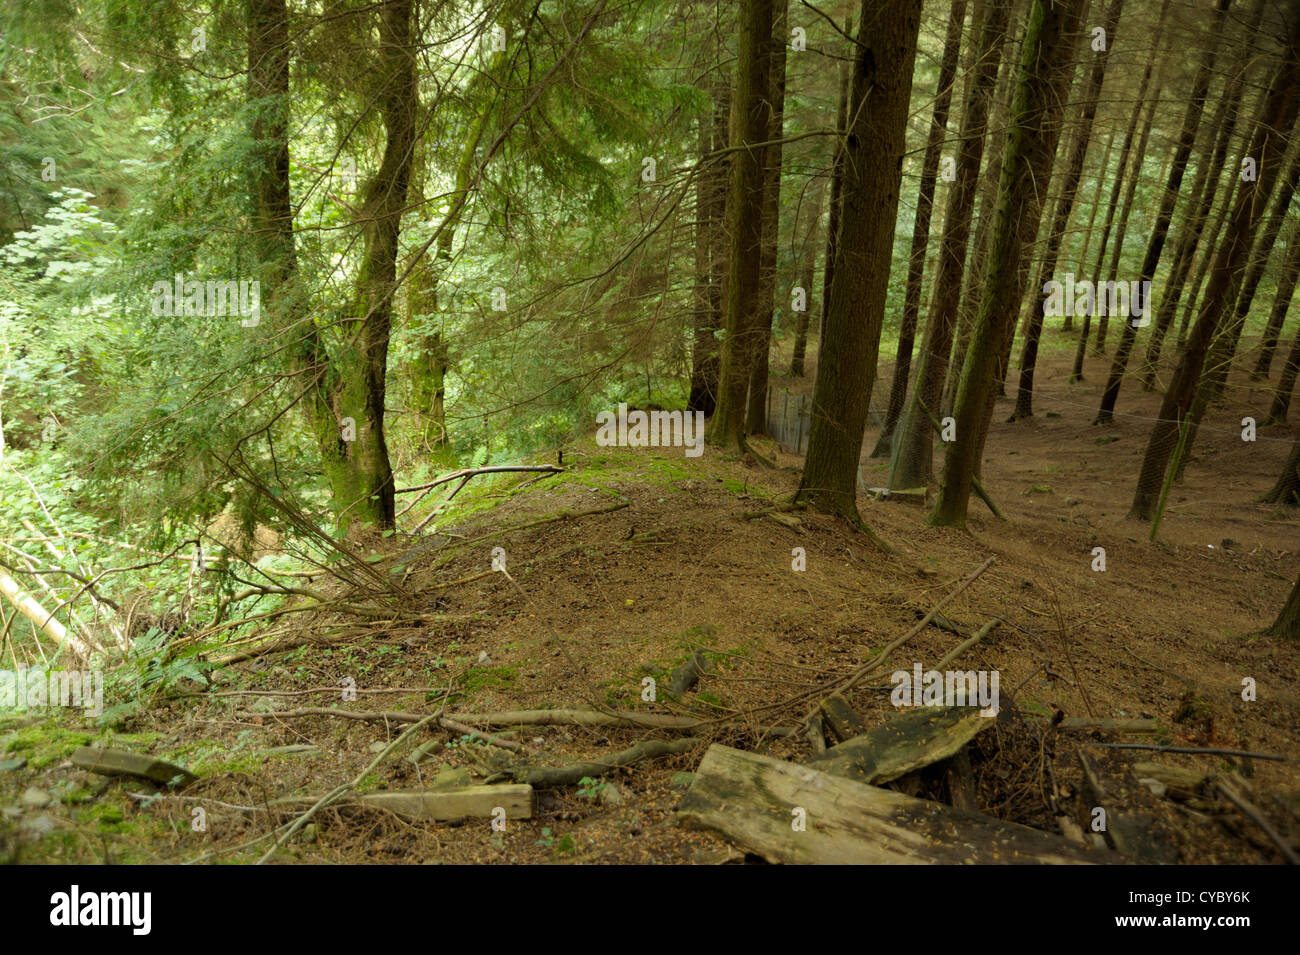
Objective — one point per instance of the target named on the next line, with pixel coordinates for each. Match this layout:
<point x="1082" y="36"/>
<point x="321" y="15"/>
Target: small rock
<point x="35" y="798"/>
<point x="498" y="841"/>
<point x="10" y="765"/>
<point x="11" y="812"/>
<point x="538" y="741"/>
<point x="378" y="746"/>
<point x="611" y="797"/>
<point x="483" y="658"/>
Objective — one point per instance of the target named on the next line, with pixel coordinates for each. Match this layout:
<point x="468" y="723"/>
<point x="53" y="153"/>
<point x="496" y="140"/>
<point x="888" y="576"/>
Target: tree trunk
<point x="366" y="482"/>
<point x="807" y="272"/>
<point x="1121" y="228"/>
<point x="1280" y="108"/>
<point x="873" y="168"/>
<point x="710" y="252"/>
<point x="269" y="49"/>
<point x="914" y="447"/>
<point x="1286" y="384"/>
<point x="988" y="200"/>
<point x="1202" y="200"/>
<point x="921" y="225"/>
<point x="1091" y="93"/>
<point x="1287" y="489"/>
<point x="1287" y="624"/>
<point x="837" y="188"/>
<point x="1224" y="346"/>
<point x="756" y="416"/>
<point x="1041" y="88"/>
<point x="1160" y="232"/>
<point x="1286" y="284"/>
<point x="749" y="129"/>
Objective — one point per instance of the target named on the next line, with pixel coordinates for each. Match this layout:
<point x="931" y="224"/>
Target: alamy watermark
<point x="35" y="687"/>
<point x="651" y="429"/>
<point x="1085" y="297"/>
<point x="946" y="688"/>
<point x="211" y="298"/>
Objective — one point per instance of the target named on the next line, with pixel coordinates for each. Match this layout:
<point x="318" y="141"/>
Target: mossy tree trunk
<point x="1044" y="74"/>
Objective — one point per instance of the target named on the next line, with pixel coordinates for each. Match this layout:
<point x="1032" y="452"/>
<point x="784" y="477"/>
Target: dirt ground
<point x="1168" y="631"/>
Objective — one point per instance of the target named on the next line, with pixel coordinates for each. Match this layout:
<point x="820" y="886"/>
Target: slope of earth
<point x="633" y="559"/>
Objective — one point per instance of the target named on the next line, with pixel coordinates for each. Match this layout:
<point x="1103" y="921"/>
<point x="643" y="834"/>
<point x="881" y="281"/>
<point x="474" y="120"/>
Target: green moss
<point x="480" y="678"/>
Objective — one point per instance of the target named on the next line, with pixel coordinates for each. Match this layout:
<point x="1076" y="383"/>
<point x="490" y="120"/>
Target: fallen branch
<point x="576" y="718"/>
<point x="1257" y="817"/>
<point x="575" y="772"/>
<point x="334" y="795"/>
<point x="1193" y="750"/>
<point x="474" y="472"/>
<point x="875" y="662"/>
<point x="965" y="645"/>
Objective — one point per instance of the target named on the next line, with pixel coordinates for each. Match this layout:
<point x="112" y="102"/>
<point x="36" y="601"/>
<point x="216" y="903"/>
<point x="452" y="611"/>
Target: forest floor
<point x="1168" y="631"/>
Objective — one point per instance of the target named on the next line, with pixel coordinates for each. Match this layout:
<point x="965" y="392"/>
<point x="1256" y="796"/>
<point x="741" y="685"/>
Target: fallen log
<point x="840" y="718"/>
<point x="904" y="744"/>
<point x="753" y="801"/>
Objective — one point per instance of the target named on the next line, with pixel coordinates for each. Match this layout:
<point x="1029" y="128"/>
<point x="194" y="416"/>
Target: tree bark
<point x="1065" y="205"/>
<point x="749" y="129"/>
<point x="873" y="157"/>
<point x="1286" y="284"/>
<point x="1044" y="75"/>
<point x="1287" y="624"/>
<point x="921" y="225"/>
<point x="756" y="416"/>
<point x="710" y="251"/>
